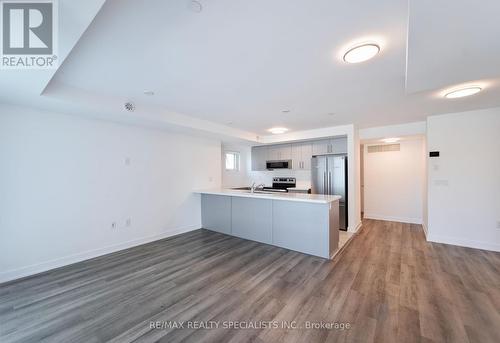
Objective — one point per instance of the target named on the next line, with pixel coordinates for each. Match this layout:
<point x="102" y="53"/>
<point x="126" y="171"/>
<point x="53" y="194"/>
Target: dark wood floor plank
<point x="389" y="285"/>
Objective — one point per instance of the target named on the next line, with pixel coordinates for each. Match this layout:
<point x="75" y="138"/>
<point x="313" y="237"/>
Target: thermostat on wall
<point x="433" y="153"/>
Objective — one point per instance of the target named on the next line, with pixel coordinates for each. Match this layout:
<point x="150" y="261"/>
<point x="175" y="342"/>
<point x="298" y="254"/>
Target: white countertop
<point x="314" y="198"/>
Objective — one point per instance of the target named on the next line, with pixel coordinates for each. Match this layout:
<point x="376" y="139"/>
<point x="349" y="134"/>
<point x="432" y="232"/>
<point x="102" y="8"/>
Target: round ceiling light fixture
<point x="361" y="53"/>
<point x="461" y="92"/>
<point x="278" y="130"/>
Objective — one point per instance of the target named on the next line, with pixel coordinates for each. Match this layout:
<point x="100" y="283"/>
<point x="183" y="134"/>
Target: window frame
<point x="237" y="160"/>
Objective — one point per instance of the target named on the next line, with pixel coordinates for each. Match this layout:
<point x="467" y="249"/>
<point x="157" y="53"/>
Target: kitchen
<point x="305" y="171"/>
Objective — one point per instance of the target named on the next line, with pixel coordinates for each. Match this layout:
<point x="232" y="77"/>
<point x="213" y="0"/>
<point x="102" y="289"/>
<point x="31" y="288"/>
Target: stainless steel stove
<point x="280" y="184"/>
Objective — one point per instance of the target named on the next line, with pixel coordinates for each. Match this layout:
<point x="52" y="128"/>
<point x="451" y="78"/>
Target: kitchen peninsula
<point x="308" y="223"/>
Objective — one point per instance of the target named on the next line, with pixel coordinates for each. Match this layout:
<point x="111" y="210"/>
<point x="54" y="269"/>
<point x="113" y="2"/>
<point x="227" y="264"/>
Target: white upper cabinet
<point x="339" y="145"/>
<point x="321" y="147"/>
<point x="286" y="152"/>
<point x="330" y="146"/>
<point x="279" y="152"/>
<point x="259" y="157"/>
<point x="299" y="153"/>
<point x="273" y="153"/>
<point x="296" y="156"/>
<point x="301" y="156"/>
<point x="306" y="156"/>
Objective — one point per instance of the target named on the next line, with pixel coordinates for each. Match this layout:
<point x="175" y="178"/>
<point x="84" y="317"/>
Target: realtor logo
<point x="29" y="34"/>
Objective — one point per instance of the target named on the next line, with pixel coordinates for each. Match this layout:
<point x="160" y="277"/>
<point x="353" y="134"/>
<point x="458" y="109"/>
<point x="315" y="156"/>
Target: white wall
<point x="233" y="178"/>
<point x="64" y="180"/>
<point x="464" y="182"/>
<point x="425" y="216"/>
<point x="394" y="183"/>
<point x="400" y="130"/>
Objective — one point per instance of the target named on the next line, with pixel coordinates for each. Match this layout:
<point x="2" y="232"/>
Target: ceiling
<point x="240" y="64"/>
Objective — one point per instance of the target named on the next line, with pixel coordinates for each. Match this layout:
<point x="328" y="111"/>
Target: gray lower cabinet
<point x="310" y="228"/>
<point x="216" y="213"/>
<point x="302" y="227"/>
<point x="252" y="219"/>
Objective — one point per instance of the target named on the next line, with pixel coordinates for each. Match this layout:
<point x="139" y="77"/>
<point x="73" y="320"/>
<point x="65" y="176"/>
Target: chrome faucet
<point x="254" y="187"/>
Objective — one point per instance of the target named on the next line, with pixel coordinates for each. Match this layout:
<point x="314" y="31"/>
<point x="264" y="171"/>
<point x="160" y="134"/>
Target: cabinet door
<point x="216" y="213"/>
<point x="321" y="147"/>
<point x="285" y="152"/>
<point x="252" y="219"/>
<point x="339" y="145"/>
<point x="259" y="156"/>
<point x="273" y="153"/>
<point x="297" y="156"/>
<point x="306" y="153"/>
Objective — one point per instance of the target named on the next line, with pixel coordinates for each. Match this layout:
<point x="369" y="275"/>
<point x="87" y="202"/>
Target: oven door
<point x="278" y="164"/>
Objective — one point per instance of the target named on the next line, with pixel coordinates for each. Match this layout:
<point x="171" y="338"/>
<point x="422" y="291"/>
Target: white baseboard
<point x="356" y="228"/>
<point x="463" y="242"/>
<point x="424" y="227"/>
<point x="393" y="219"/>
<point x="64" y="261"/>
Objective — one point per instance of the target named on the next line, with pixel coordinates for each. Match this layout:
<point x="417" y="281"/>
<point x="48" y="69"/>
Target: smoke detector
<point x="129" y="106"/>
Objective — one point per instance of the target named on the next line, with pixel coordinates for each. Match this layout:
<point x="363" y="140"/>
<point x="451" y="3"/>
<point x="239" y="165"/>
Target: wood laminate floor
<point x="389" y="284"/>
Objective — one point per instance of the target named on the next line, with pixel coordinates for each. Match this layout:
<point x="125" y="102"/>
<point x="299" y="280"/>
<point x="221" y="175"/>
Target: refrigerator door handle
<point x="330" y="191"/>
<point x="324" y="183"/>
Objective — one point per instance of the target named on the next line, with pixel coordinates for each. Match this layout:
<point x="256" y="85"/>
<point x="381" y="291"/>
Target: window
<point x="232" y="161"/>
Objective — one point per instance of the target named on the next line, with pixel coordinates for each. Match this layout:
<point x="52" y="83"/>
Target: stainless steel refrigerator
<point x="329" y="176"/>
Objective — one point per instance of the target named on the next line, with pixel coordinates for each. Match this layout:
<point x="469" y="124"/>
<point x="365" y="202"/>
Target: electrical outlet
<point x="113" y="225"/>
<point x="128" y="222"/>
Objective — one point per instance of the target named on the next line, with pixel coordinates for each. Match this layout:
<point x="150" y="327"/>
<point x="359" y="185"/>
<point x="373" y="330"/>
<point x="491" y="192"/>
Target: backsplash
<point x="303" y="176"/>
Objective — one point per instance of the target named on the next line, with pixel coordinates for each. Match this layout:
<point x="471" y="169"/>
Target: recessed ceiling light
<point x="285" y="111"/>
<point x="195" y="6"/>
<point x="361" y="53"/>
<point x="148" y="92"/>
<point x="331" y="113"/>
<point x="461" y="92"/>
<point x="278" y="130"/>
<point x="390" y="140"/>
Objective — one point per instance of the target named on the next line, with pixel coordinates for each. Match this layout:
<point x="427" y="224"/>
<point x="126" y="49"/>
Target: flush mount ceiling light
<point x="278" y="130"/>
<point x="361" y="53"/>
<point x="461" y="92"/>
<point x="390" y="140"/>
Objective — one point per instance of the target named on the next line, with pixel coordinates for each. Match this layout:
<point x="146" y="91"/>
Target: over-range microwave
<point x="284" y="164"/>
